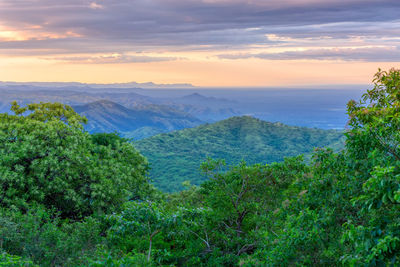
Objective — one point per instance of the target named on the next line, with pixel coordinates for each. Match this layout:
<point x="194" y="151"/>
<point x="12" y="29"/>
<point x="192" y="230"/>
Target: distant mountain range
<point x="204" y="108"/>
<point x="196" y="98"/>
<point x="176" y="157"/>
<point x="138" y="122"/>
<point x="311" y="108"/>
<point x="148" y="85"/>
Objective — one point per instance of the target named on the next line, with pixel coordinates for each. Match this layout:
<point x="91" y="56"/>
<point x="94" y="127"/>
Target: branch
<point x="154" y="233"/>
<point x="246" y="248"/>
<point x="202" y="239"/>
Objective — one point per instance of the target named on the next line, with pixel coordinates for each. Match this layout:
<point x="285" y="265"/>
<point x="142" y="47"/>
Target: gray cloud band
<point x="130" y="25"/>
<point x="373" y="54"/>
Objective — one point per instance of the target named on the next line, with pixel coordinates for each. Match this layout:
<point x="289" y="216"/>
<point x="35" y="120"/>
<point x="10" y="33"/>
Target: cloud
<point x="112" y="59"/>
<point x="94" y="5"/>
<point x="370" y="54"/>
<point x="142" y="25"/>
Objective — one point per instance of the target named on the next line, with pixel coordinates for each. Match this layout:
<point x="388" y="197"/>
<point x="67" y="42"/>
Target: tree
<point x="374" y="144"/>
<point x="376" y="116"/>
<point x="47" y="158"/>
<point x="137" y="221"/>
<point x="241" y="197"/>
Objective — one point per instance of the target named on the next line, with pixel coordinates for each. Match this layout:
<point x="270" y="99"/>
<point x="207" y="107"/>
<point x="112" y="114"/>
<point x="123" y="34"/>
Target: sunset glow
<point x="206" y="43"/>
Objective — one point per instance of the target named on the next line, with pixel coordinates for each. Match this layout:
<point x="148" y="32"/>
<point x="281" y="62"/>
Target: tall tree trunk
<point x="149" y="253"/>
<point x="150" y="243"/>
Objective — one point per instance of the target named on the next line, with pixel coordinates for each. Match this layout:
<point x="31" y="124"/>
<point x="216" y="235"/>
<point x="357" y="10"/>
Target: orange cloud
<point x="95" y="5"/>
<point x="32" y="32"/>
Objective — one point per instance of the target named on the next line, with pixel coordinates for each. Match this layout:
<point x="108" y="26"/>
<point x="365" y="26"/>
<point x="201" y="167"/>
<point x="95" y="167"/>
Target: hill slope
<point x="107" y="116"/>
<point x="176" y="157"/>
<point x="208" y="109"/>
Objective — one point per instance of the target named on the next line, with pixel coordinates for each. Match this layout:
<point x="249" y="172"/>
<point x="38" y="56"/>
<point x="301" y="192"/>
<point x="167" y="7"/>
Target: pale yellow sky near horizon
<point x="204" y="73"/>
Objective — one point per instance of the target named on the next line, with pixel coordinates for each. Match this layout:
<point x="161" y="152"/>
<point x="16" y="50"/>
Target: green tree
<point x="374" y="143"/>
<point x="46" y="239"/>
<point x="139" y="220"/>
<point x="47" y="158"/>
<point x="346" y="209"/>
<point x="240" y="198"/>
<point x="377" y="115"/>
<point x="306" y="227"/>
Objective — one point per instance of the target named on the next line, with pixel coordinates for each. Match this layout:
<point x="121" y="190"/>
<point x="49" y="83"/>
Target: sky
<point x="229" y="43"/>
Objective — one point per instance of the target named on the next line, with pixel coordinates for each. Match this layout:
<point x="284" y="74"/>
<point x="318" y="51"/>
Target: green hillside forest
<point x="71" y="198"/>
<point x="176" y="157"/>
<point x="105" y="116"/>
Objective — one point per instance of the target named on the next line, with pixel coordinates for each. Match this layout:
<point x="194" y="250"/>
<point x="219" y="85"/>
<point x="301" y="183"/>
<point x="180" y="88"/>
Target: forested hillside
<point x="175" y="157"/>
<point x="70" y="198"/>
<point x="105" y="116"/>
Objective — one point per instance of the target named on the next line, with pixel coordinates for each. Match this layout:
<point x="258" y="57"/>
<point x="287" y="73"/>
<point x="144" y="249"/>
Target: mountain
<point x="302" y="107"/>
<point x="108" y="116"/>
<point x="204" y="113"/>
<point x="144" y="132"/>
<point x="72" y="96"/>
<point x="148" y="85"/>
<point x="199" y="97"/>
<point x="176" y="157"/>
<point x="201" y="100"/>
<point x="206" y="108"/>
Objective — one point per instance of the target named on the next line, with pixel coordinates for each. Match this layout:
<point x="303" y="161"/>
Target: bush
<point x="49" y="240"/>
<point x="14" y="261"/>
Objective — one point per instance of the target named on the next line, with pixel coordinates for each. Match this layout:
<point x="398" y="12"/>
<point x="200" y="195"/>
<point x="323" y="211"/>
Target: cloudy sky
<point x="203" y="42"/>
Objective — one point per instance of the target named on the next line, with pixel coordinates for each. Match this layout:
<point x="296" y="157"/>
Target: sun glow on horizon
<point x="266" y="43"/>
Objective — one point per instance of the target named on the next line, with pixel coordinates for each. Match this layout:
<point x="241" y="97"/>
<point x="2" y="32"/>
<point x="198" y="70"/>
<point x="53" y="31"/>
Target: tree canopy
<point x="47" y="158"/>
<point x="69" y="198"/>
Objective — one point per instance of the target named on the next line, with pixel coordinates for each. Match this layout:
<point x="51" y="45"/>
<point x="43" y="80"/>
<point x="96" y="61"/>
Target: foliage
<point x="14" y="261"/>
<point x="107" y="259"/>
<point x="377" y="115"/>
<point x="139" y="221"/>
<point x="241" y="198"/>
<point x="48" y="240"/>
<point x="47" y="158"/>
<point x="376" y="120"/>
<point x="176" y="156"/>
<point x="347" y="211"/>
<point x="307" y="223"/>
<point x="338" y="209"/>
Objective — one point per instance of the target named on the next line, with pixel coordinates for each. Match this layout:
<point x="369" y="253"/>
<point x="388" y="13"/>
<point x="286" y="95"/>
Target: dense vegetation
<point x="341" y="209"/>
<point x="47" y="158"/>
<point x="176" y="157"/>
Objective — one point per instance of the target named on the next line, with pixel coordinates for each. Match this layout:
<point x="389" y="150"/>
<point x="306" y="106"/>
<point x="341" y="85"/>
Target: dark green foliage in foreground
<point x="375" y="125"/>
<point x="47" y="158"/>
<point x="240" y="201"/>
<point x="340" y="209"/>
<point x="10" y="260"/>
<point x="139" y="222"/>
<point x="176" y="157"/>
<point x="48" y="240"/>
<point x="347" y="209"/>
